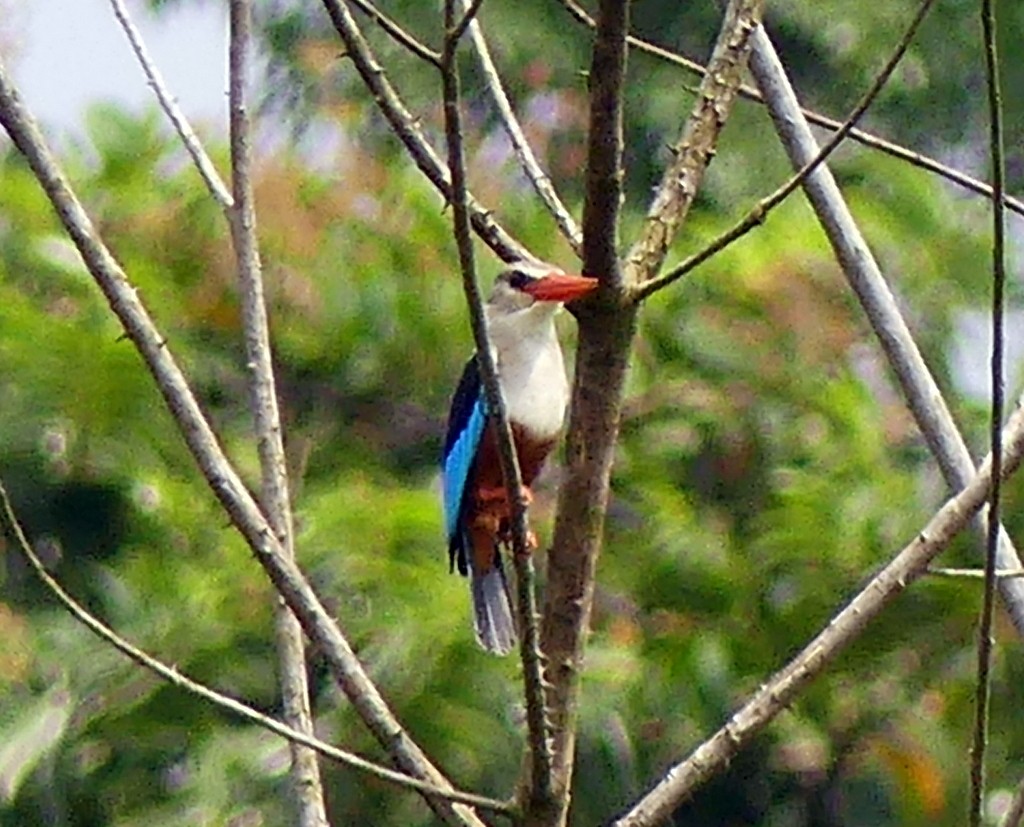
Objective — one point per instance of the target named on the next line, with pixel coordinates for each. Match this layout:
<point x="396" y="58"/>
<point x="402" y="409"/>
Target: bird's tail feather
<point x="492" y="611"/>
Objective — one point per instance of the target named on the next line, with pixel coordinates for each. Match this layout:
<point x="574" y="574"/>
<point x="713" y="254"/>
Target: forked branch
<point x="307" y="789"/>
<point x="224" y="481"/>
<point x="407" y="130"/>
<point x="759" y="213"/>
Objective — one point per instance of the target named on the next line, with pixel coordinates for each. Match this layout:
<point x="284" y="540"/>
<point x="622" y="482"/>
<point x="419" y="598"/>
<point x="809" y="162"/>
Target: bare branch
<point x="860" y="136"/>
<point x="406" y="128"/>
<point x="397" y="33"/>
<point x="526" y="602"/>
<point x="606" y="327"/>
<point x="760" y="212"/>
<point x="218" y="471"/>
<point x="175" y="678"/>
<point x="307" y="788"/>
<point x="984" y="688"/>
<point x="693" y="151"/>
<point x="601" y="208"/>
<point x="520" y="145"/>
<point x="214" y="183"/>
<point x="715" y="753"/>
<point x="865" y="278"/>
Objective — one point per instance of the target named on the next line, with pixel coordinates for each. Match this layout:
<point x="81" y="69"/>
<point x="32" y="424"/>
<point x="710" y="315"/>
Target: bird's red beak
<point x="559" y="287"/>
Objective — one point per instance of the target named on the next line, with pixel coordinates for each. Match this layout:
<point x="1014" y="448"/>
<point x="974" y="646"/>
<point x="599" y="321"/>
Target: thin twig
<point x="176" y="678"/>
<point x="860" y="136"/>
<point x="307" y="788"/>
<point x="606" y="329"/>
<point x="923" y="396"/>
<point x="408" y="131"/>
<point x="529" y="648"/>
<point x="974" y="574"/>
<point x="221" y="476"/>
<point x="693" y="151"/>
<point x="984" y="687"/>
<point x="714" y="754"/>
<point x="759" y="213"/>
<point x="214" y="183"/>
<point x="520" y="145"/>
<point x="397" y="33"/>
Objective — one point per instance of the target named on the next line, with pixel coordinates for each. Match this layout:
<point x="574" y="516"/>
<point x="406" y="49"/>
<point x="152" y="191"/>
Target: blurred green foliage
<point x="767" y="466"/>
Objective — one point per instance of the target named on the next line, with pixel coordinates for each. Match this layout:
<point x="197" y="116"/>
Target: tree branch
<point x="520" y="145"/>
<point x="307" y="788"/>
<point x="214" y="183"/>
<point x="865" y="278"/>
<point x="693" y="151"/>
<point x="715" y="753"/>
<point x="984" y="688"/>
<point x="759" y="213"/>
<point x="606" y="82"/>
<point x="539" y="793"/>
<point x="407" y="129"/>
<point x="860" y="136"/>
<point x="606" y="327"/>
<point x="398" y="34"/>
<point x="175" y="678"/>
<point x="219" y="473"/>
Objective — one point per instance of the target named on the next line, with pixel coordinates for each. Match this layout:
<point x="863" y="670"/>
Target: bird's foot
<point x="493" y="514"/>
<point x="491" y="497"/>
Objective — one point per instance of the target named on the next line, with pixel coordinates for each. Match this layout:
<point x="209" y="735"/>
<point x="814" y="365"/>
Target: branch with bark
<point x="224" y="481"/>
<point x="860" y="136"/>
<point x="538" y="787"/>
<point x="307" y="789"/>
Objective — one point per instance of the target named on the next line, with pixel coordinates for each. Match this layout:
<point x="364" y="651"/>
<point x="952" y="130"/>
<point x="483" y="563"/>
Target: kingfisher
<point x="477" y="510"/>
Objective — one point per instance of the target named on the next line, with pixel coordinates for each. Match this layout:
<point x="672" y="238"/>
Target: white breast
<point x="531" y="370"/>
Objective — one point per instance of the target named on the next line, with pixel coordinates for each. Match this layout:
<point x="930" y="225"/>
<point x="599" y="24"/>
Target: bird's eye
<point x="518" y="280"/>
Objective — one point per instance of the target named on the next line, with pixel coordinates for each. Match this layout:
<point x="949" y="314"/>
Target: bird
<point x="520" y="313"/>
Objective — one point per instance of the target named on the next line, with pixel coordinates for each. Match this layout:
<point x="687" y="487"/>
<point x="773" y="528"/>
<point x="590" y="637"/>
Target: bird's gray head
<point x="526" y="284"/>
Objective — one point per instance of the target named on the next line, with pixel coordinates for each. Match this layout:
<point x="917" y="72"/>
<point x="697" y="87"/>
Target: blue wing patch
<point x="466" y="421"/>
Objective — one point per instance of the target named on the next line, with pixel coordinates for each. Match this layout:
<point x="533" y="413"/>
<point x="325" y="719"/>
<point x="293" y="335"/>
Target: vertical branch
<point x="540" y="758"/>
<point x="606" y="325"/>
<point x="274" y="498"/>
<point x="988" y="22"/>
<point x="606" y="80"/>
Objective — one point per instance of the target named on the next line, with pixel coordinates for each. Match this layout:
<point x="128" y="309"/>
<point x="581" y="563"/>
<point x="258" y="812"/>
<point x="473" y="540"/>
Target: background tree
<point x="766" y="464"/>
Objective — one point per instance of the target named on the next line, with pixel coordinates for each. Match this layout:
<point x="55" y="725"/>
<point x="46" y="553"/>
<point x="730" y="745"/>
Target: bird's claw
<point x="494" y="515"/>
